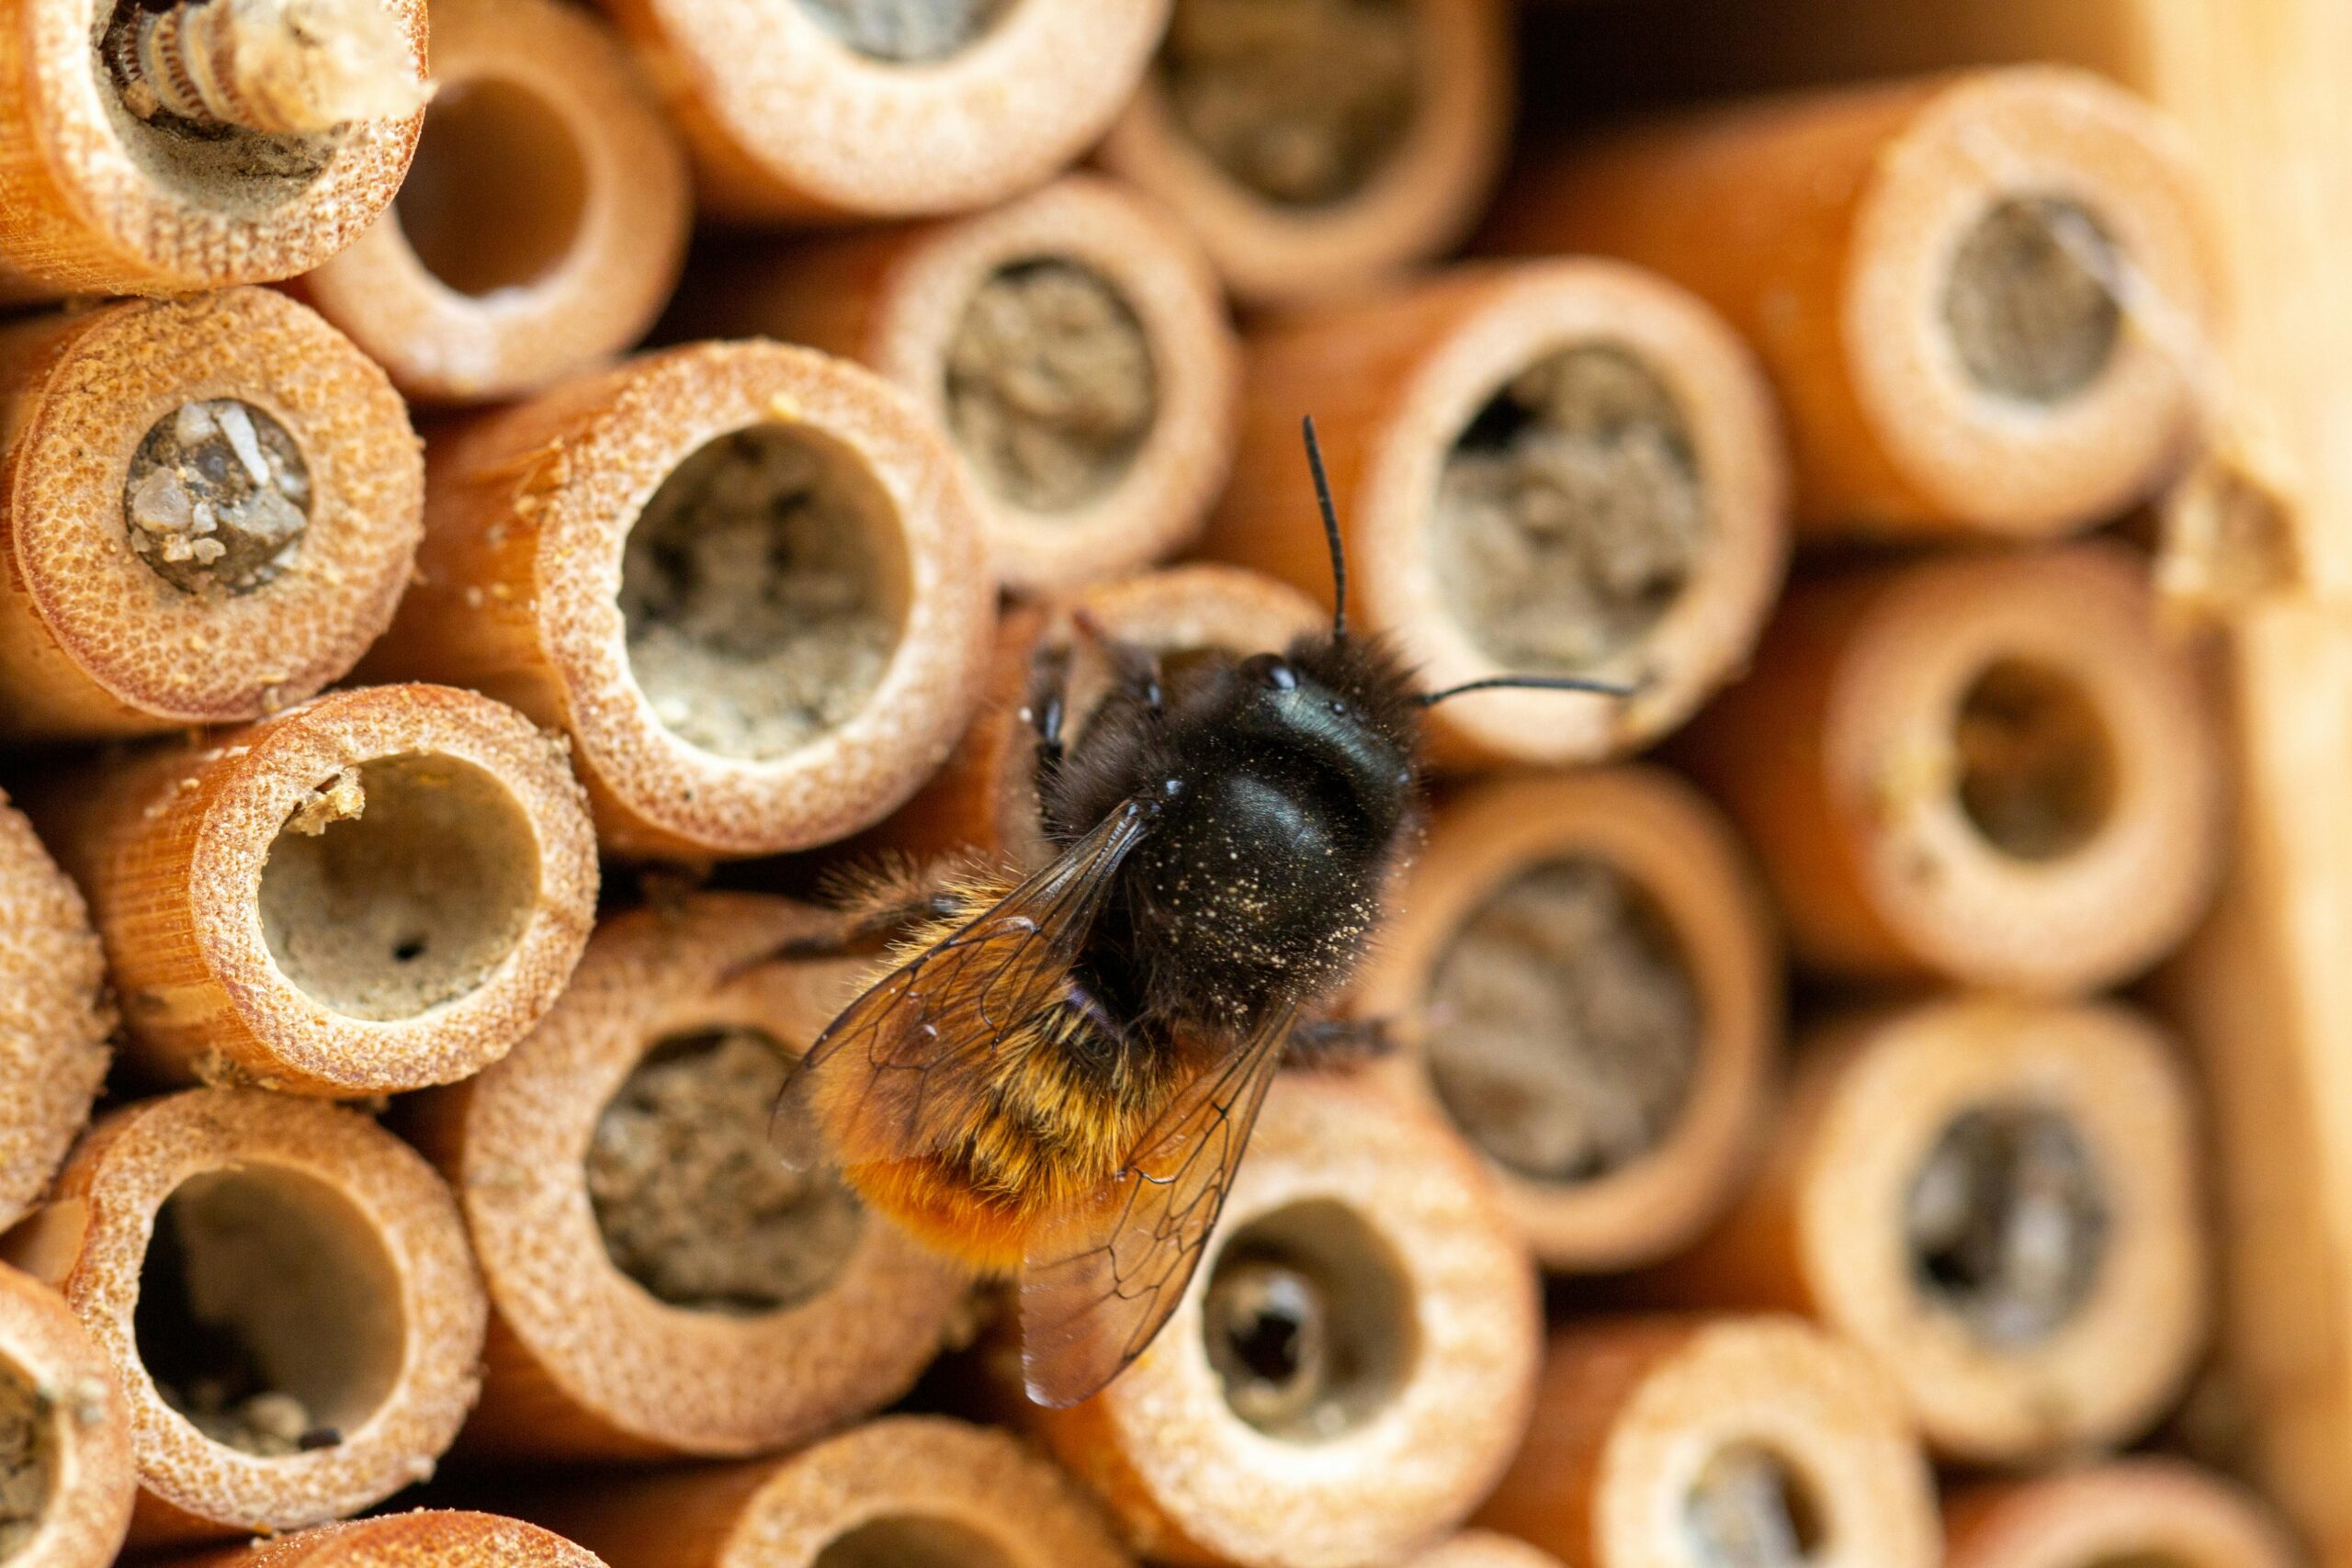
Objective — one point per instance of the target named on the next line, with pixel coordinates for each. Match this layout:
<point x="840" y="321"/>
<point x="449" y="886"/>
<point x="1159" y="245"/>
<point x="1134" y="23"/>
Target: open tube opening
<point x="1571" y="513"/>
<point x="908" y="32"/>
<point x="1308" y="1322"/>
<point x="2030" y="302"/>
<point x="763" y="588"/>
<point x="497" y="189"/>
<point x="27" y="1457"/>
<point x="2037" y="765"/>
<point x="1050" y="385"/>
<point x="270" y="1315"/>
<point x="2007" y="1221"/>
<point x="398" y="885"/>
<point x="1304" y="102"/>
<point x="1562" y="1026"/>
<point x="912" y="1540"/>
<point x="217" y="497"/>
<point x="1750" y="1508"/>
<point x="691" y="1195"/>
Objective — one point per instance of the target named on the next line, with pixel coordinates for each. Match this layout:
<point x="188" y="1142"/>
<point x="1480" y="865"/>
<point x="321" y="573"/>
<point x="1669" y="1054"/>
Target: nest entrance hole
<point x="2032" y="302"/>
<point x="497" y="191"/>
<point x="764" y="589"/>
<point x="1308" y="1322"/>
<point x="398" y="885"/>
<point x="1303" y="102"/>
<point x="268" y="1314"/>
<point x="2007" y="1221"/>
<point x="908" y="32"/>
<point x="1571" y="513"/>
<point x="1563" y="1027"/>
<point x="27" y="1457"/>
<point x="1050" y="384"/>
<point x="217" y="497"/>
<point x="2038" y="770"/>
<point x="912" y="1540"/>
<point x="1750" y="1508"/>
<point x="692" y="1197"/>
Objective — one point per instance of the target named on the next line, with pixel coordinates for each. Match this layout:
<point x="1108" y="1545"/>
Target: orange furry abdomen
<point x="936" y="1204"/>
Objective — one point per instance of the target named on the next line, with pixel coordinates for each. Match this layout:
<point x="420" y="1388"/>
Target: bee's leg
<point x="1137" y="667"/>
<point x="1048" y="700"/>
<point x="880" y="902"/>
<point x="1338" y="1043"/>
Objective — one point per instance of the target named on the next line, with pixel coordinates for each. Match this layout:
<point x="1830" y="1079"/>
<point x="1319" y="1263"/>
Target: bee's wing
<point x="895" y="1075"/>
<point x="1096" y="1287"/>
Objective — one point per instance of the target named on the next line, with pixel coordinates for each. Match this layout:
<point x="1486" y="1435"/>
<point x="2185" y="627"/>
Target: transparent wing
<point x="1096" y="1287"/>
<point x="895" y="1075"/>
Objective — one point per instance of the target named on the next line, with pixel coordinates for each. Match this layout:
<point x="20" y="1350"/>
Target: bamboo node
<point x="280" y="67"/>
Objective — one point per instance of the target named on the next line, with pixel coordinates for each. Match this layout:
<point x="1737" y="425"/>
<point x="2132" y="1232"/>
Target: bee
<point x="1055" y="1076"/>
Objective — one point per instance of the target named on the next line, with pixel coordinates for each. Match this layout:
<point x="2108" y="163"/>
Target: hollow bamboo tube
<point x="2143" y="1511"/>
<point x="1689" y="1442"/>
<point x="383" y="889"/>
<point x="1365" y="1229"/>
<point x="122" y="610"/>
<point x="284" y="1293"/>
<point x="800" y="111"/>
<point x="68" y="1468"/>
<point x="1989" y="768"/>
<point x="809" y="594"/>
<point x="542" y="225"/>
<point x="913" y="1490"/>
<point x="694" y="1307"/>
<point x="1356" y="140"/>
<point x="1999" y="1199"/>
<point x="985" y="796"/>
<point x="102" y="201"/>
<point x="1439" y="411"/>
<point x="1073" y="342"/>
<point x="1611" y="917"/>
<point x="1482" y="1549"/>
<point x="426" y="1538"/>
<point x="55" y="1019"/>
<point x="1987" y="301"/>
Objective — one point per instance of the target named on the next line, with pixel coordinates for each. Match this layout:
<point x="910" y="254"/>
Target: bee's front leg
<point x="880" y="902"/>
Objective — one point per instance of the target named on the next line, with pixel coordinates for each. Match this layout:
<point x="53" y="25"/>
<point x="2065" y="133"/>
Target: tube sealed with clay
<point x="746" y="580"/>
<point x="662" y="1280"/>
<point x="208" y="506"/>
<point x="1563" y="469"/>
<point x="1988" y="301"/>
<point x="66" y="1473"/>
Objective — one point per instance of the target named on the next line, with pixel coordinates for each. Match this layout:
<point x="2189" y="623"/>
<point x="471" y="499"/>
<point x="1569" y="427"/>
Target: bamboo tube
<point x="66" y="1476"/>
<point x="426" y="1538"/>
<point x="1365" y="1231"/>
<point x="208" y="507"/>
<point x="660" y="1283"/>
<point x="1996" y="1197"/>
<point x="852" y="110"/>
<point x="1073" y="342"/>
<point x="1559" y="468"/>
<point x="189" y="147"/>
<point x="1988" y="300"/>
<point x="1988" y="768"/>
<point x="1482" y="1549"/>
<point x="985" y="795"/>
<point x="910" y="1491"/>
<point x="379" y="890"/>
<point x="745" y="579"/>
<point x="284" y="1292"/>
<point x="1582" y="976"/>
<point x="55" y="1017"/>
<point x="1316" y="146"/>
<point x="2145" y="1511"/>
<point x="1694" y="1442"/>
<point x="542" y="224"/>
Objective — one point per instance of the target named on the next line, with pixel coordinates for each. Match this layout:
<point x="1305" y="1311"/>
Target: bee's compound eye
<point x="1271" y="669"/>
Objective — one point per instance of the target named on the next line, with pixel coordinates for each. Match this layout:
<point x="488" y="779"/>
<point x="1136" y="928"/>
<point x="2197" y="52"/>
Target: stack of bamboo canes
<point x="1771" y="1167"/>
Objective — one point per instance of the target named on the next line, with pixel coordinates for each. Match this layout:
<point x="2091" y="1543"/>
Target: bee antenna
<point x="1330" y="531"/>
<point x="1531" y="683"/>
